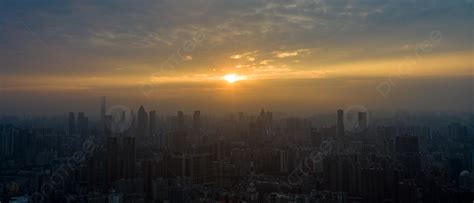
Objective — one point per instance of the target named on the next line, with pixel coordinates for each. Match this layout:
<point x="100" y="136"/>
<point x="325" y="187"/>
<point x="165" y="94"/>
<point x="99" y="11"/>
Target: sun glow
<point x="232" y="78"/>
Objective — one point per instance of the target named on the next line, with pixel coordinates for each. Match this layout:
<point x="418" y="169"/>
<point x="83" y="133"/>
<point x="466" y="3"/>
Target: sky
<point x="292" y="55"/>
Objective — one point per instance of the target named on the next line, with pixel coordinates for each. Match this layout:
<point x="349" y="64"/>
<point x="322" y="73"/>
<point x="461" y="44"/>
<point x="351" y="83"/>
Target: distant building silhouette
<point x="103" y="109"/>
<point x="181" y="125"/>
<point x="362" y="118"/>
<point x="72" y="123"/>
<point x="340" y="123"/>
<point x="82" y="123"/>
<point x="120" y="158"/>
<point x="152" y="123"/>
<point x="142" y="124"/>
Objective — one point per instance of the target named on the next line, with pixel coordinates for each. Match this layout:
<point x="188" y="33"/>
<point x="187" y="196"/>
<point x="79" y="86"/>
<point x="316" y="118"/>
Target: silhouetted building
<point x="128" y="155"/>
<point x="153" y="123"/>
<point x="103" y="109"/>
<point x="197" y="121"/>
<point x="197" y="128"/>
<point x="82" y="123"/>
<point x="120" y="158"/>
<point x="72" y="123"/>
<point x="181" y="125"/>
<point x="112" y="163"/>
<point x="362" y="118"/>
<point x="142" y="123"/>
<point x="340" y="123"/>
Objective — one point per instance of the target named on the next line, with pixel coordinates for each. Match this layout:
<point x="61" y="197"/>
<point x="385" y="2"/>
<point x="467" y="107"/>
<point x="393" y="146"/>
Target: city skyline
<point x="236" y="101"/>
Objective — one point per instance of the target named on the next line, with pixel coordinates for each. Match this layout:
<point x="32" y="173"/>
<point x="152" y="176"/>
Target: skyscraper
<point x="340" y="123"/>
<point x="180" y="120"/>
<point x="197" y="121"/>
<point x="120" y="158"/>
<point x="152" y="124"/>
<point x="72" y="123"/>
<point x="128" y="157"/>
<point x="196" y="130"/>
<point x="142" y="124"/>
<point x="269" y="119"/>
<point x="109" y="127"/>
<point x="362" y="118"/>
<point x="82" y="123"/>
<point x="103" y="107"/>
<point x="111" y="161"/>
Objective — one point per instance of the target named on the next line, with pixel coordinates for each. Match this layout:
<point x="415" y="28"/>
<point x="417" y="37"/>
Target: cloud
<point x="247" y="55"/>
<point x="285" y="54"/>
<point x="87" y="38"/>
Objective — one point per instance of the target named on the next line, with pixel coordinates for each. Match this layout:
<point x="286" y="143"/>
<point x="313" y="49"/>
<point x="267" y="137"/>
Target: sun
<point x="232" y="78"/>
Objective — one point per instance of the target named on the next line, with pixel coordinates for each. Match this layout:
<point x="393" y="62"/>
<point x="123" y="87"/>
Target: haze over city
<point x="236" y="101"/>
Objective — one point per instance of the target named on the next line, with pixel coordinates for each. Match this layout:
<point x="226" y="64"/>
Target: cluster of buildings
<point x="267" y="157"/>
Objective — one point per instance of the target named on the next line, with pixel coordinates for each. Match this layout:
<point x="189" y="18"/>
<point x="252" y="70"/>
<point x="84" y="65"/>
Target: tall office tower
<point x="111" y="160"/>
<point x="197" y="121"/>
<point x="142" y="123"/>
<point x="340" y="123"/>
<point x="341" y="173"/>
<point x="373" y="185"/>
<point x="269" y="118"/>
<point x="82" y="123"/>
<point x="128" y="157"/>
<point x="120" y="158"/>
<point x="72" y="123"/>
<point x="93" y="169"/>
<point x="133" y="118"/>
<point x="6" y="142"/>
<point x="109" y="125"/>
<point x="363" y="121"/>
<point x="196" y="129"/>
<point x="284" y="161"/>
<point x="220" y="149"/>
<point x="180" y="120"/>
<point x="103" y="109"/>
<point x="153" y="122"/>
<point x="261" y="118"/>
<point x="149" y="174"/>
